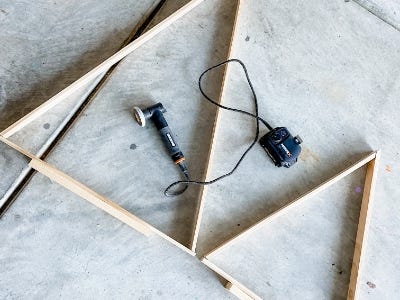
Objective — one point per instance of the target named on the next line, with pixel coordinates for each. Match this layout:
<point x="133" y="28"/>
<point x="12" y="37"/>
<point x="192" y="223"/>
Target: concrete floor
<point x="326" y="69"/>
<point x="53" y="45"/>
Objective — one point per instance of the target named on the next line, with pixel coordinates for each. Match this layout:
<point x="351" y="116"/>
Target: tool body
<point x="281" y="146"/>
<point x="156" y="114"/>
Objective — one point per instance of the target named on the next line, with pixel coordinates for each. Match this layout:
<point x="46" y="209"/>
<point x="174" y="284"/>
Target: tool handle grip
<point x="167" y="136"/>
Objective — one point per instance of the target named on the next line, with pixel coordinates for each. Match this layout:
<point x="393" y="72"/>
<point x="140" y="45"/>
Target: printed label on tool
<point x="170" y="139"/>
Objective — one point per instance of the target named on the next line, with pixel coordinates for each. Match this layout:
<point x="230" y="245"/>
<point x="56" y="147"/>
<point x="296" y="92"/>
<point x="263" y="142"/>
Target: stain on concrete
<point x="388" y="168"/>
<point x="46" y="126"/>
<point x="269" y="29"/>
<point x="358" y="189"/>
<point x="306" y="154"/>
<point x="335" y="91"/>
<point x="371" y="284"/>
<point x="132" y="146"/>
<point x="338" y="269"/>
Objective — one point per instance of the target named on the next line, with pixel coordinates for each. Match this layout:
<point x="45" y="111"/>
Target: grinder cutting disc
<point x="139" y="116"/>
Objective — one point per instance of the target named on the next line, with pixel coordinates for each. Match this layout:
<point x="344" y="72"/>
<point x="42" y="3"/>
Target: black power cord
<point x="230" y="108"/>
<point x="183" y="167"/>
<point x="257" y="133"/>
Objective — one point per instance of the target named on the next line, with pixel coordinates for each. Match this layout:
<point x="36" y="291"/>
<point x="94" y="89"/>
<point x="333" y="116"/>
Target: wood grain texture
<point x="363" y="224"/>
<point x="104" y="66"/>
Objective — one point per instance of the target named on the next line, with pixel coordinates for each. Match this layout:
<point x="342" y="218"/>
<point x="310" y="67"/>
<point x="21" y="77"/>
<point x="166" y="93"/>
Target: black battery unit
<point x="281" y="146"/>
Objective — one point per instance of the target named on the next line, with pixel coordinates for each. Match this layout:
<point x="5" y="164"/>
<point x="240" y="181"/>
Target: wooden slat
<point x="229" y="278"/>
<point x="200" y="204"/>
<point x="172" y="241"/>
<point x="91" y="196"/>
<point x="296" y="202"/>
<point x="83" y="191"/>
<point x="237" y="291"/>
<point x="16" y="147"/>
<point x="103" y="67"/>
<point x="363" y="224"/>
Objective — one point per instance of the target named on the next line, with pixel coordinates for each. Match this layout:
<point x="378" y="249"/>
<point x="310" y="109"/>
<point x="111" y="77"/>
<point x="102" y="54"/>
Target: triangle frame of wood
<point x="67" y="181"/>
<point x="371" y="161"/>
<point x="77" y="187"/>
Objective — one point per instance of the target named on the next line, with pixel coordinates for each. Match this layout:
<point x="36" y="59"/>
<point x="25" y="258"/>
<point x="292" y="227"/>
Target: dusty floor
<point x="328" y="70"/>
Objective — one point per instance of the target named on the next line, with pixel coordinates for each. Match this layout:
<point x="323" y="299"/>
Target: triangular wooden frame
<point x="77" y="187"/>
<point x="67" y="181"/>
<point x="371" y="161"/>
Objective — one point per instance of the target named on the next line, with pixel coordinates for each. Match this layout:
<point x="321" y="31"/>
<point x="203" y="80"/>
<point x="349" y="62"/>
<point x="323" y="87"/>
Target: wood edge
<point x="17" y="147"/>
<point x="36" y="163"/>
<point x="102" y="67"/>
<point x="200" y="206"/>
<point x="236" y="291"/>
<point x="171" y="240"/>
<point x="363" y="225"/>
<point x="307" y="195"/>
<point x="229" y="278"/>
<point x="76" y="187"/>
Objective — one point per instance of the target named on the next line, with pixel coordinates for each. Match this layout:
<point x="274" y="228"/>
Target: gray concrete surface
<point x="329" y="71"/>
<point x="57" y="246"/>
<point x="36" y="137"/>
<point x="326" y="69"/>
<point x="55" y="43"/>
<point x="305" y="254"/>
<point x="116" y="157"/>
<point x="52" y="46"/>
<point x="387" y="10"/>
